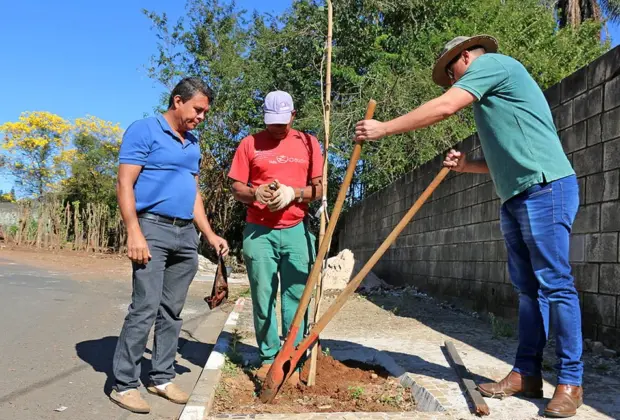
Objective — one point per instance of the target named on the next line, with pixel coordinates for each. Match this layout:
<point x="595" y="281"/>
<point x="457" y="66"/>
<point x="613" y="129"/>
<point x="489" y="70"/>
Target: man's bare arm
<point x="137" y="248"/>
<point x="312" y="192"/>
<point x="243" y="192"/>
<point x="200" y="217"/>
<point x="246" y="194"/>
<point x="425" y="115"/>
<point x="202" y="222"/>
<point x="457" y="161"/>
<point x="477" y="166"/>
<point x="431" y="112"/>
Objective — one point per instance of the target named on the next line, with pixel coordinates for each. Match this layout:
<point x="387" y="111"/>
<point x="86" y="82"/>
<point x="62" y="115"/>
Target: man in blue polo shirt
<point x="160" y="203"/>
<point x="539" y="193"/>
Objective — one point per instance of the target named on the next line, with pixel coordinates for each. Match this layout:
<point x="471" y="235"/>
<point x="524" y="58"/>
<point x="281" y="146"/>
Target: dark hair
<point x="188" y="87"/>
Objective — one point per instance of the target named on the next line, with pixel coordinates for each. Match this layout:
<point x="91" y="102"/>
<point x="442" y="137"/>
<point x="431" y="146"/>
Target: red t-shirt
<point x="293" y="161"/>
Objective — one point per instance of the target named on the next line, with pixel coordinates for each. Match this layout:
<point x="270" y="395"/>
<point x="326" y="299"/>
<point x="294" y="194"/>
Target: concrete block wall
<point x="454" y="247"/>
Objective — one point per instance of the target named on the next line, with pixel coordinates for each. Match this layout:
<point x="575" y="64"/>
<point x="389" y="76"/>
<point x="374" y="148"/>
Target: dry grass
<point x="54" y="226"/>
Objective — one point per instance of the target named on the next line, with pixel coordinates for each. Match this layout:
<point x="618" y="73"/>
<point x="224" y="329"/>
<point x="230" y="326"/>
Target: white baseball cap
<point x="278" y="107"/>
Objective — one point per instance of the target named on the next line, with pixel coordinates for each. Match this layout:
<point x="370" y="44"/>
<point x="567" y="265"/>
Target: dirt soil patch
<point x="340" y="387"/>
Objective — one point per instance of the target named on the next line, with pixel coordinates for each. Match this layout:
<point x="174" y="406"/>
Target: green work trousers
<point x="268" y="252"/>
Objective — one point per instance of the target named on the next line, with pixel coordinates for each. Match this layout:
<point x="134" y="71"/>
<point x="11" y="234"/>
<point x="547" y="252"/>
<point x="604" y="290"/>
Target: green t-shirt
<point x="515" y="125"/>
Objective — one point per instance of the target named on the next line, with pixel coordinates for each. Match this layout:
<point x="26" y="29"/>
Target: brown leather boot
<point x="514" y="383"/>
<point x="565" y="402"/>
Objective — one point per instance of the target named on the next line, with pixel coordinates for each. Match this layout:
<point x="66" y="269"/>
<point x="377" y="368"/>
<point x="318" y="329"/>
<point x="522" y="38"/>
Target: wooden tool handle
<point x="370" y="109"/>
<point x="333" y="219"/>
<point x="353" y="284"/>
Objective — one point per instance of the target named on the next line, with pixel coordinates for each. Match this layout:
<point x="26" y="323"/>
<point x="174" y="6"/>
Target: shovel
<point x="287" y="359"/>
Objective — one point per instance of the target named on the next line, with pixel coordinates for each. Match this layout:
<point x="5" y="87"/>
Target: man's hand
<point x="263" y="194"/>
<point x="137" y="248"/>
<point x="369" y="130"/>
<point x="455" y="161"/>
<point x="282" y="197"/>
<point x="219" y="243"/>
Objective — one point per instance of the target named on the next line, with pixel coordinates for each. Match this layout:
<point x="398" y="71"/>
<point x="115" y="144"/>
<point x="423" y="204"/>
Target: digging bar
<point x="286" y="361"/>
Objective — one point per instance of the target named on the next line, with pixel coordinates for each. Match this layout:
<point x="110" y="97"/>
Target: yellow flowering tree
<point x="7" y="197"/>
<point x="47" y="153"/>
<point x="32" y="145"/>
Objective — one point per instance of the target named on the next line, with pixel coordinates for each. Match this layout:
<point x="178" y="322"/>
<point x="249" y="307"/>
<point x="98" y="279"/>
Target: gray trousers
<point x="159" y="291"/>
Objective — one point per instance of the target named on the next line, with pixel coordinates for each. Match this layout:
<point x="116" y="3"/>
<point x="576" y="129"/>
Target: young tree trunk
<point x="326" y="119"/>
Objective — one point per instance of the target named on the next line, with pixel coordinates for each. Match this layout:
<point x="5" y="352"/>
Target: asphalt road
<point x="58" y="338"/>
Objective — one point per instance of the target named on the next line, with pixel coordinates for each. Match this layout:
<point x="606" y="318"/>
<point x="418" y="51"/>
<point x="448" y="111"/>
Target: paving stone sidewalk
<point x="411" y="329"/>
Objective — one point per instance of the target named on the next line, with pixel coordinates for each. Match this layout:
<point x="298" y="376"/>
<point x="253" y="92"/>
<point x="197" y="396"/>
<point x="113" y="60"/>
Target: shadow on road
<point x="99" y="354"/>
<point x="194" y="352"/>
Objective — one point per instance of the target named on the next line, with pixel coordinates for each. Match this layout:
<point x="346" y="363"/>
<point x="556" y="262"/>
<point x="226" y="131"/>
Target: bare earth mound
<point x="348" y="387"/>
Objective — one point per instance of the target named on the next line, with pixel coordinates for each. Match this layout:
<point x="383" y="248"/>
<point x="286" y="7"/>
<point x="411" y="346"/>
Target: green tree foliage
<point x="381" y="49"/>
<point x="33" y="148"/>
<point x="92" y="162"/>
<point x="93" y="171"/>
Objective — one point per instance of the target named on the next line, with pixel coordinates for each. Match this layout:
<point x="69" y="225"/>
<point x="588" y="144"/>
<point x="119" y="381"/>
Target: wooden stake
<point x="326" y="121"/>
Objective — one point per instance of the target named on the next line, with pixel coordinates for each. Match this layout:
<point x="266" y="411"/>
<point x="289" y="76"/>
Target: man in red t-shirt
<point x="276" y="239"/>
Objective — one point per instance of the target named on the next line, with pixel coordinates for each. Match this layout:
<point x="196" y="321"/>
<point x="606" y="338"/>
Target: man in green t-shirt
<point x="539" y="194"/>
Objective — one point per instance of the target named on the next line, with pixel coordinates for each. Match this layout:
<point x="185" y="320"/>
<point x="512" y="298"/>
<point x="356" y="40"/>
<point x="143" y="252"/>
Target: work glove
<point x="263" y="194"/>
<point x="282" y="197"/>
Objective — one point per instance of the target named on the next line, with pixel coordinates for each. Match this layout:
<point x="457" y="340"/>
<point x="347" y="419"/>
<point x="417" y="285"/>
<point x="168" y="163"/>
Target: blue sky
<point x="75" y="57"/>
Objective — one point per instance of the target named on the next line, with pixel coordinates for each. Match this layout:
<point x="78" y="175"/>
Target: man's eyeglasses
<point x="449" y="70"/>
<point x="450" y="73"/>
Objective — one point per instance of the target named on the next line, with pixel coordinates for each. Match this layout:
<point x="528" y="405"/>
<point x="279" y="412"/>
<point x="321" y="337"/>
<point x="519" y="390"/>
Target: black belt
<point x="175" y="221"/>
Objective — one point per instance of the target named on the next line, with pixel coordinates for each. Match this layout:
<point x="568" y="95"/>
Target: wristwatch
<point x="301" y="196"/>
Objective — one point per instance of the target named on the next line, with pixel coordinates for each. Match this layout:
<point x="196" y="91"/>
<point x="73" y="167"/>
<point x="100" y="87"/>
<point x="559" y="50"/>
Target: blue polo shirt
<point x="166" y="184"/>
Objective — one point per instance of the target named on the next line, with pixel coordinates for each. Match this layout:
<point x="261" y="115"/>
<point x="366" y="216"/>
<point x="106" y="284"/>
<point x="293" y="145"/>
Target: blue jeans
<point x="536" y="225"/>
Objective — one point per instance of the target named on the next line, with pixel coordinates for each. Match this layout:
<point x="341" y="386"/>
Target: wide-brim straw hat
<point x="455" y="47"/>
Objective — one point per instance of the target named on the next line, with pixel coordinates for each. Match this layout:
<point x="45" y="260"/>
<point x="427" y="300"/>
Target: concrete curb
<point x="425" y="400"/>
<point x="201" y="398"/>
